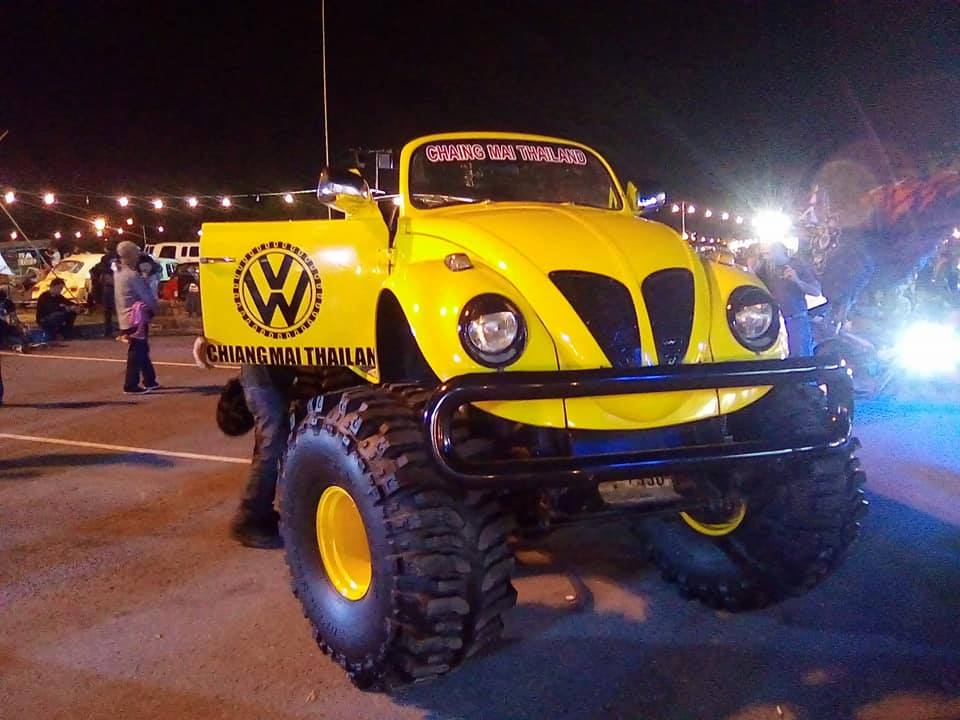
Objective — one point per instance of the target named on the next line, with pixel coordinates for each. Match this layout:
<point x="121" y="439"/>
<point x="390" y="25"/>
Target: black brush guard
<point x="559" y="471"/>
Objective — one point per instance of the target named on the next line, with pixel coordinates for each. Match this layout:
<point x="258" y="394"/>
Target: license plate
<point x="656" y="487"/>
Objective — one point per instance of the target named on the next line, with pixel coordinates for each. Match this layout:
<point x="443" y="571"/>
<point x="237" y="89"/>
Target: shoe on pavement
<point x="155" y="386"/>
<point x="135" y="391"/>
<point x="263" y="534"/>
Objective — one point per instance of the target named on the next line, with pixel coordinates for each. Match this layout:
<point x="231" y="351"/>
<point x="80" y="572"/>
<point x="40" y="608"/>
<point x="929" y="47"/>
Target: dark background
<point x="731" y="103"/>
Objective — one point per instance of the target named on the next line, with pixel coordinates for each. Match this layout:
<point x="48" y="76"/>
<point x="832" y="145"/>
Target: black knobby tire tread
<point x="451" y="562"/>
<point x="798" y="528"/>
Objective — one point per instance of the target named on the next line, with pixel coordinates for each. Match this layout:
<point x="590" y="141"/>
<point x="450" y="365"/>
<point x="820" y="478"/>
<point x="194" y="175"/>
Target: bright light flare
<point x="708" y="213"/>
<point x="288" y="198"/>
<point x="9" y="197"/>
<point x="739" y="220"/>
<point x="772" y="226"/>
<point x="100" y="223"/>
<point x="226" y="202"/>
<point x="49" y="198"/>
<point x="675" y="208"/>
<point x="725" y="216"/>
<point x="929" y="348"/>
<point x="123" y="201"/>
<point x="192" y="201"/>
<point x="13" y="235"/>
<point x="57" y="235"/>
<point x="129" y="221"/>
<point x="160" y="229"/>
<point x="691" y="209"/>
<point x="78" y="234"/>
<point x="157" y="204"/>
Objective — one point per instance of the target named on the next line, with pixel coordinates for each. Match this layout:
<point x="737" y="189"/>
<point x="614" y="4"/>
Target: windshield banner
<point x="464" y="152"/>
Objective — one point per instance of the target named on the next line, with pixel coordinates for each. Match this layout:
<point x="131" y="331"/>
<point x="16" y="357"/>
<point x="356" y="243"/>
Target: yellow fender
<point x="432" y="298"/>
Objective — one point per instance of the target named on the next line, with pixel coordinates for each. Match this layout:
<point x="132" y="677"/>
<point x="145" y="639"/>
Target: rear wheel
<point x="789" y="532"/>
<point x="401" y="575"/>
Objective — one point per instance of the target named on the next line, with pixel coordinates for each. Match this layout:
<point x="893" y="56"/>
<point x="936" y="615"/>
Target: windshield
<point x="68" y="266"/>
<point x="464" y="171"/>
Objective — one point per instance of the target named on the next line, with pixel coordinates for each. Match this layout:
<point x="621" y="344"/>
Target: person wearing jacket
<point x="129" y="288"/>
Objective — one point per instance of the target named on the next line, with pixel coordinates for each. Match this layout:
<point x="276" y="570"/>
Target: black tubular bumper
<point x="566" y="470"/>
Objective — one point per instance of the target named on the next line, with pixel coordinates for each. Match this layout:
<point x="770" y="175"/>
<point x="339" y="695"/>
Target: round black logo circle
<point x="277" y="290"/>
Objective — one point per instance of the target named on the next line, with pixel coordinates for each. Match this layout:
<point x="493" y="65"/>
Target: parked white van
<point x="179" y="251"/>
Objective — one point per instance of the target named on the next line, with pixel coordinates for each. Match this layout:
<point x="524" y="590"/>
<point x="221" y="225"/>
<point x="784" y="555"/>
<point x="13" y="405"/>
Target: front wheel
<point x="787" y="533"/>
<point x="402" y="576"/>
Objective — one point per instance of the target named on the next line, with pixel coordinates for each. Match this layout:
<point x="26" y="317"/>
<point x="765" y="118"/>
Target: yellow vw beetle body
<point x="358" y="263"/>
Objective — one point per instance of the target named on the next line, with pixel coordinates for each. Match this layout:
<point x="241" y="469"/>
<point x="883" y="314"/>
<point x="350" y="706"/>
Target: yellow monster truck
<point x="523" y="351"/>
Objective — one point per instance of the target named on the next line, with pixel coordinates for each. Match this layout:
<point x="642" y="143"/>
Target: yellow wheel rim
<point x="717" y="529"/>
<point x="343" y="543"/>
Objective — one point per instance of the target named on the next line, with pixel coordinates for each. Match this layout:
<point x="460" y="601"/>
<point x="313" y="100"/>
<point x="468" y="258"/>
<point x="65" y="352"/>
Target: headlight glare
<point x="753" y="321"/>
<point x="753" y="317"/>
<point x="492" y="330"/>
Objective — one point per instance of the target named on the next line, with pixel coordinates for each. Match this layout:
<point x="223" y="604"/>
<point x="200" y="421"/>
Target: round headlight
<point x="753" y="317"/>
<point x="492" y="330"/>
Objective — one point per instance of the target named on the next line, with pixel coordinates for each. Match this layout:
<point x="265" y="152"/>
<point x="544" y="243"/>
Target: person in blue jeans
<point x="790" y="280"/>
<point x="267" y="392"/>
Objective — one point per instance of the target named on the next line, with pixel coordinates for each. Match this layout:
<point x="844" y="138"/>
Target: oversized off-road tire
<point x="439" y="565"/>
<point x="799" y="523"/>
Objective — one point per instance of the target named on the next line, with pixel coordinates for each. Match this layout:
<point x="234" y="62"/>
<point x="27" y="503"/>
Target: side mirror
<point x="345" y="191"/>
<point x="640" y="204"/>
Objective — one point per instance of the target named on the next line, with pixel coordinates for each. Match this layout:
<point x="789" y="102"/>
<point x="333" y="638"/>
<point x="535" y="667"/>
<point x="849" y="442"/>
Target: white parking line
<point x="166" y="363"/>
<point x="125" y="448"/>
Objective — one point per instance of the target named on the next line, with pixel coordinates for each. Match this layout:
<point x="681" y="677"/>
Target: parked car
<point x="75" y="273"/>
<point x="27" y="267"/>
<point x="176" y="289"/>
<point x="182" y="251"/>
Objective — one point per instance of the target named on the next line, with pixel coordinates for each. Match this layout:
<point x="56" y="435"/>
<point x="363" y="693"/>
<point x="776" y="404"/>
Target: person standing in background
<point x="130" y="288"/>
<point x="790" y="280"/>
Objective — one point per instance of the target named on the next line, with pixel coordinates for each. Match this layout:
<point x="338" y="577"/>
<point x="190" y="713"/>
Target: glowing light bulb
<point x="226" y="202"/>
<point x="192" y="201"/>
<point x="99" y="233"/>
<point x="708" y="213"/>
<point x="123" y="201"/>
<point x="49" y="198"/>
<point x="56" y="235"/>
<point x="739" y="220"/>
<point x="691" y="209"/>
<point x="100" y="223"/>
<point x="13" y="235"/>
<point x="725" y="216"/>
<point x="9" y="197"/>
<point x="129" y="221"/>
<point x="674" y="208"/>
<point x="78" y="234"/>
<point x="685" y="236"/>
<point x="119" y="231"/>
<point x="160" y="229"/>
<point x="199" y="233"/>
<point x="158" y="204"/>
<point x="288" y="199"/>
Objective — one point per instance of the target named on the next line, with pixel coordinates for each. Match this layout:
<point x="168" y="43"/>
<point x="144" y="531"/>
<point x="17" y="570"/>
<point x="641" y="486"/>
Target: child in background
<point x="140" y="317"/>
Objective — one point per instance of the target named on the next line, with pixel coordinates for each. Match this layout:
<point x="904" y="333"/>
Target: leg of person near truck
<point x="267" y="394"/>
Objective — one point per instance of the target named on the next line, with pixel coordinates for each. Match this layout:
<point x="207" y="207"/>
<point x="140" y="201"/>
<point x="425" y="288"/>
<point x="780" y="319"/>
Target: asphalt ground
<point x="121" y="595"/>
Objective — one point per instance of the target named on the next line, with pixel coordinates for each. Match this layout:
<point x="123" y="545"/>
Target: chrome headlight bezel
<point x="744" y="298"/>
<point x="473" y="311"/>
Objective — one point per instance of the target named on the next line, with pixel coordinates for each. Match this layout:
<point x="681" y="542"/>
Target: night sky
<point x="730" y="102"/>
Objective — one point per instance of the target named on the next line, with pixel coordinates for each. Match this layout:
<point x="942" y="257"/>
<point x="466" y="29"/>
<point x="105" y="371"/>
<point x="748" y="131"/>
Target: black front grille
<point x="606" y="308"/>
<point x="668" y="295"/>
